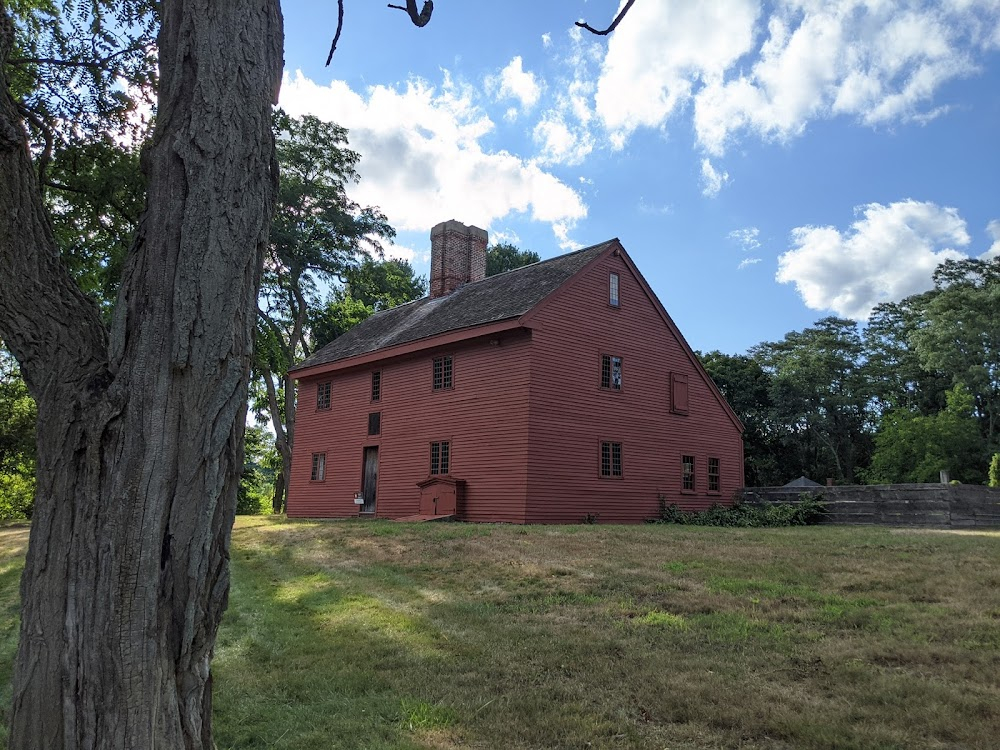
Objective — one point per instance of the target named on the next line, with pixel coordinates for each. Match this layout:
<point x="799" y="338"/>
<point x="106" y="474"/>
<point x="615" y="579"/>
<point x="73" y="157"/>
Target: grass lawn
<point x="383" y="635"/>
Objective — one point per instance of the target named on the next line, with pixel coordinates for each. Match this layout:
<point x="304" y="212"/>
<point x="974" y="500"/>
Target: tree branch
<point x="340" y="27"/>
<point x="614" y="24"/>
<point x="49" y="325"/>
<point x="45" y="157"/>
<point x="111" y="202"/>
<point x="420" y="19"/>
<point x="100" y="64"/>
<point x="277" y="418"/>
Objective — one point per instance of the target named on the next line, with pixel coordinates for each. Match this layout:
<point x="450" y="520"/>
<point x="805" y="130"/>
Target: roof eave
<point x="410" y="347"/>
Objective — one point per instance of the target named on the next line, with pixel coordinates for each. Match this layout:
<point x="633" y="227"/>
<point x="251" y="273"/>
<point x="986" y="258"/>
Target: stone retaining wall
<point x="931" y="505"/>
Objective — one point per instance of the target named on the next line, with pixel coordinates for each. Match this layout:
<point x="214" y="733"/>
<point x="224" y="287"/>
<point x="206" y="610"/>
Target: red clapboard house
<point x="548" y="394"/>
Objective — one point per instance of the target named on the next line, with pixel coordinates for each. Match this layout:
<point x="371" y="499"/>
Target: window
<point x="318" y="467"/>
<point x="377" y="385"/>
<point x="678" y="393"/>
<point x="611" y="372"/>
<point x="713" y="475"/>
<point x="611" y="459"/>
<point x="440" y="457"/>
<point x="613" y="290"/>
<point x="442" y="373"/>
<point x="687" y="473"/>
<point x="375" y="423"/>
<point x="323" y="396"/>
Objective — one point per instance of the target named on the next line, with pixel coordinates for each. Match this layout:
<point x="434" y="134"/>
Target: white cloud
<point x="651" y="208"/>
<point x="402" y="252"/>
<point x="993" y="230"/>
<point x="712" y="181"/>
<point x="509" y="236"/>
<point x="514" y="83"/>
<point x="546" y="39"/>
<point x="747" y="262"/>
<point x="559" y="144"/>
<point x="747" y="237"/>
<point x="564" y="132"/>
<point x="771" y="69"/>
<point x="561" y="229"/>
<point x="661" y="52"/>
<point x="422" y="160"/>
<point x="875" y="60"/>
<point x="888" y="253"/>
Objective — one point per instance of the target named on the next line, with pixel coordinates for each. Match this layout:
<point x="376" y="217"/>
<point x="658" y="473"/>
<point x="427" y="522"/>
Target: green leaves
<point x="80" y="69"/>
<point x="17" y="442"/>
<point x="504" y="256"/>
<point x="911" y="447"/>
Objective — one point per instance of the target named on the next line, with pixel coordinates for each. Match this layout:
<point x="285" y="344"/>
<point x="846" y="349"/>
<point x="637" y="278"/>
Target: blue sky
<point x="765" y="164"/>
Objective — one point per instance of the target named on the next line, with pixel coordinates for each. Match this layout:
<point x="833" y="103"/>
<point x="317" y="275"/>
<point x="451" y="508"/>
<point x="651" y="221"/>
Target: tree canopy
<point x="504" y="256"/>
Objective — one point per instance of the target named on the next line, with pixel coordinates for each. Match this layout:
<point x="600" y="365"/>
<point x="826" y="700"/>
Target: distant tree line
<point x="913" y="392"/>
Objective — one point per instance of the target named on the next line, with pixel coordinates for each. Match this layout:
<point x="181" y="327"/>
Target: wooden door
<point x="370" y="481"/>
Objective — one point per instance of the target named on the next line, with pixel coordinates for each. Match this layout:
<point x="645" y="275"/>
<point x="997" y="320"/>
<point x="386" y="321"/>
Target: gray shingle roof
<point x="501" y="297"/>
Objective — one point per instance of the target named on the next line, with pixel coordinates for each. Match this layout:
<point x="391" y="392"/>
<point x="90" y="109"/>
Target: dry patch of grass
<point x="383" y="635"/>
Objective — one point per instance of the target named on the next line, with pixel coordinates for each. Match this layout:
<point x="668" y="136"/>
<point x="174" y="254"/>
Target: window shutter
<point x="679" y="393"/>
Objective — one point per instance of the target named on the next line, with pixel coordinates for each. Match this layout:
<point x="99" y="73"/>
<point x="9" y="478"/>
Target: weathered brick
<point x="458" y="256"/>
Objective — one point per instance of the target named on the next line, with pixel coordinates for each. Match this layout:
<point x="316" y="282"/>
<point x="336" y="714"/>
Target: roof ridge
<point x="546" y="260"/>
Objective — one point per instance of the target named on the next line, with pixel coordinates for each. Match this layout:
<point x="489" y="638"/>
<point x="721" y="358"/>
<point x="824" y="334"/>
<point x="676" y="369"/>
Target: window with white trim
<point x="613" y="284"/>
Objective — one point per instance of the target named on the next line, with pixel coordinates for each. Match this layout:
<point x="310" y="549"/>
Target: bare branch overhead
<point x="614" y="24"/>
<point x="419" y="19"/>
<point x="340" y="27"/>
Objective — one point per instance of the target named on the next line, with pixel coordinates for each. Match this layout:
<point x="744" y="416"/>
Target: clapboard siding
<point x="484" y="418"/>
<point x="527" y="414"/>
<point x="571" y="414"/>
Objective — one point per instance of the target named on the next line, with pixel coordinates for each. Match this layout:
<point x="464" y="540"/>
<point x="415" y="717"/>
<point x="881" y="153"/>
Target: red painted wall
<point x="571" y="414"/>
<point x="484" y="417"/>
<point x="526" y="417"/>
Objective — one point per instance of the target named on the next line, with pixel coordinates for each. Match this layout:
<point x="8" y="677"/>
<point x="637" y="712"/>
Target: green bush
<point x="806" y="510"/>
<point x="995" y="470"/>
<point x="17" y="496"/>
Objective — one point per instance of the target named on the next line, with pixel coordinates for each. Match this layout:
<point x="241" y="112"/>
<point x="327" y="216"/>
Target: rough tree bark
<point x="140" y="432"/>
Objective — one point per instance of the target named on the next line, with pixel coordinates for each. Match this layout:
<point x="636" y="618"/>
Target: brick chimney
<point x="458" y="256"/>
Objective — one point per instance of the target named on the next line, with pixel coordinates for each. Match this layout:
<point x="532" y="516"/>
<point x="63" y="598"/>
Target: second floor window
<point x="440" y="457"/>
<point x="611" y="372"/>
<point x="613" y="290"/>
<point x="323" y="396"/>
<point x="375" y="423"/>
<point x="377" y="385"/>
<point x="442" y="373"/>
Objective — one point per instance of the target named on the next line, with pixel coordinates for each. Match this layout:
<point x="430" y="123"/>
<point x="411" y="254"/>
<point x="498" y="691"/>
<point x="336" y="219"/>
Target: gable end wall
<point x="571" y="414"/>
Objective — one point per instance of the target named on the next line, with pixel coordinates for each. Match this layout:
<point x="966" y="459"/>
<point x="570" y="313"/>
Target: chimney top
<point x="458" y="256"/>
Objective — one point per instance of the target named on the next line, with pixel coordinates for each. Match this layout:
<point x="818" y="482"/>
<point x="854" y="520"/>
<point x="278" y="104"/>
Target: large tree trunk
<point x="140" y="433"/>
